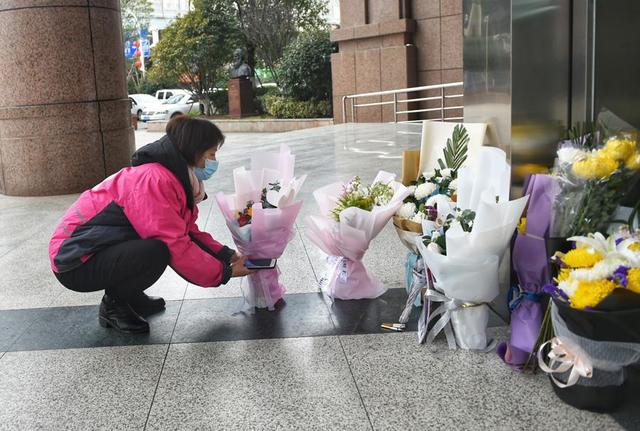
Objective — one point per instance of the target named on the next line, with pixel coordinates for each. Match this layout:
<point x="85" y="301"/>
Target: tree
<point x="194" y="49"/>
<point x="305" y="69"/>
<point x="271" y="25"/>
<point x="136" y="15"/>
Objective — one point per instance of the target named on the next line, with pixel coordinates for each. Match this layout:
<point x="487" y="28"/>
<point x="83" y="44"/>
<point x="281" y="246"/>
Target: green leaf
<point x="455" y="152"/>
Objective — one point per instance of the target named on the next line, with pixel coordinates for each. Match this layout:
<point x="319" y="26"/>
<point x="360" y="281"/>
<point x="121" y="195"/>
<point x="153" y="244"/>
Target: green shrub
<point x="305" y="70"/>
<point x="286" y="107"/>
<point x="259" y="95"/>
<point x="220" y="101"/>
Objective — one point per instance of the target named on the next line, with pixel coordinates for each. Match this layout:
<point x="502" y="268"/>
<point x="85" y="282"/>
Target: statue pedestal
<point x="240" y="97"/>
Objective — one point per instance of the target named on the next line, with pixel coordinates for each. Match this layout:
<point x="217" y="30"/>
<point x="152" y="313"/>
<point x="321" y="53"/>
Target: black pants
<point x="123" y="270"/>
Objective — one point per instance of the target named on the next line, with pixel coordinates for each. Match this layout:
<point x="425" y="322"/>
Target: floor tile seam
<point x="355" y="382"/>
<point x="155" y="391"/>
<point x="24" y="331"/>
<point x="7" y="252"/>
<point x="166" y="354"/>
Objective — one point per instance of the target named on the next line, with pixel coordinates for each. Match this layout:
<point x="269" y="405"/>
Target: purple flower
<point x="620" y="275"/>
<point x="432" y="213"/>
<point x="553" y="291"/>
<point x="619" y="240"/>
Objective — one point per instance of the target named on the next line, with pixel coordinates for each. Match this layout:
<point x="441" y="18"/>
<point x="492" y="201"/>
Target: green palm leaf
<point x="455" y="152"/>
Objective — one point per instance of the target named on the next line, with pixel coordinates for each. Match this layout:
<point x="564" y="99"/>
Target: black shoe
<point x="121" y="317"/>
<point x="146" y="305"/>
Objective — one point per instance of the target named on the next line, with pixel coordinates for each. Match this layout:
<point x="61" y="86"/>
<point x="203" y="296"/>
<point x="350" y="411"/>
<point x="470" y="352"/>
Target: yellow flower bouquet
<point x="596" y="167"/>
<point x="596" y="320"/>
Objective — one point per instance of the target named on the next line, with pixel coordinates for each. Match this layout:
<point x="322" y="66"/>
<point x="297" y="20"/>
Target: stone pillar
<point x="64" y="109"/>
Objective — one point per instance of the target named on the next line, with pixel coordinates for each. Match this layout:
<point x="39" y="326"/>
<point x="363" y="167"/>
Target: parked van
<point x="168" y="94"/>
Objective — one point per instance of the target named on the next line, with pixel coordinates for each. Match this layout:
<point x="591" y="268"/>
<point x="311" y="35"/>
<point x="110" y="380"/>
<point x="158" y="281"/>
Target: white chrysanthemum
<point x="418" y="217"/>
<point x="568" y="287"/>
<point x="428" y="174"/>
<point x="434" y="248"/>
<point x="424" y="190"/>
<point x="446" y="173"/>
<point x="453" y="185"/>
<point x="597" y="242"/>
<point x="569" y="155"/>
<point x="407" y="211"/>
<point x="600" y="271"/>
<point x="633" y="257"/>
<point x="435" y="235"/>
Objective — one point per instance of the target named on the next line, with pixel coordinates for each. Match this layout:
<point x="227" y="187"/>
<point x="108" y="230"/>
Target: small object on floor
<point x="398" y="327"/>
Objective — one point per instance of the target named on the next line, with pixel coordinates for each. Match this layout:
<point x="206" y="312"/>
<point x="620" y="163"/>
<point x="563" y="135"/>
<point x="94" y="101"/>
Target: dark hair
<point x="193" y="136"/>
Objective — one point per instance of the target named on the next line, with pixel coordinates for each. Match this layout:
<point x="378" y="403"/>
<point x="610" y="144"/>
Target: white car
<point x="178" y="104"/>
<point x="163" y="95"/>
<point x="139" y="102"/>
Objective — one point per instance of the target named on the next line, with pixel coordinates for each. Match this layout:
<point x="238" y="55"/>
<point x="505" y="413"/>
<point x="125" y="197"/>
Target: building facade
<point x="394" y="44"/>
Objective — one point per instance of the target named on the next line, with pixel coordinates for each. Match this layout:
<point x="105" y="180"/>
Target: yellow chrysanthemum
<point x="619" y="148"/>
<point x="591" y="293"/>
<point x="563" y="275"/>
<point x="634" y="246"/>
<point x="522" y="226"/>
<point x="597" y="166"/>
<point x="633" y="162"/>
<point x="581" y="258"/>
<point x="633" y="280"/>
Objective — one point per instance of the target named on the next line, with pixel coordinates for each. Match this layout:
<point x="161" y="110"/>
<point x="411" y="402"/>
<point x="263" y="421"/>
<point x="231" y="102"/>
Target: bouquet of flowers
<point x="465" y="255"/>
<point x="531" y="264"/>
<point x="596" y="166"/>
<point x="421" y="206"/>
<point x="261" y="216"/>
<point x="596" y="319"/>
<point x="352" y="214"/>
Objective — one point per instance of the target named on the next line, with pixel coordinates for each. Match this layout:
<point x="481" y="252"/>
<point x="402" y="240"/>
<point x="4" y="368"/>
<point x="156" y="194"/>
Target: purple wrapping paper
<point x="530" y="261"/>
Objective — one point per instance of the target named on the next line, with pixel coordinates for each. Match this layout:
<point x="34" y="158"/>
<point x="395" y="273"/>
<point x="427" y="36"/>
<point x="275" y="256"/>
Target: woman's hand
<point x="238" y="269"/>
<point x="236" y="256"/>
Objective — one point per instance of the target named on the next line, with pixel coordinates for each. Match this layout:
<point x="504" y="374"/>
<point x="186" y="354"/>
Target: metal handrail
<point x="443" y="109"/>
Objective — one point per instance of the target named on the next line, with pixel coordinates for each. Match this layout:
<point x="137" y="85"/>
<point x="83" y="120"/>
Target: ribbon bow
<point x="520" y="295"/>
<point x="444" y="311"/>
<point x="564" y="356"/>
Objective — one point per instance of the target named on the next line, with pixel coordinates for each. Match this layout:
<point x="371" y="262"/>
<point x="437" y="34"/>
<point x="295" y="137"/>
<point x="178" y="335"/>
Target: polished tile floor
<point x="308" y="365"/>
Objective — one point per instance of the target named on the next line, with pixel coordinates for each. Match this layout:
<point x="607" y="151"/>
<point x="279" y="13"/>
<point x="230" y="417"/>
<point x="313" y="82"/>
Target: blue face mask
<point x="210" y="168"/>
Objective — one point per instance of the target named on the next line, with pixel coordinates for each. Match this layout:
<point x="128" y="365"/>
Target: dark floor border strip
<point x="204" y="320"/>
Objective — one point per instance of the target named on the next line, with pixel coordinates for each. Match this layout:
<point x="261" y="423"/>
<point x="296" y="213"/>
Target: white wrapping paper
<point x="468" y="275"/>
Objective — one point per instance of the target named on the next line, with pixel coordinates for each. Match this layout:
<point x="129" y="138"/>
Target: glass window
<point x="176" y="99"/>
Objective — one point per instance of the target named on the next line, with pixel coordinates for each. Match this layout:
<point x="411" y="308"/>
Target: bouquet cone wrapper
<point x="271" y="229"/>
<point x="347" y="240"/>
<point x="468" y="277"/>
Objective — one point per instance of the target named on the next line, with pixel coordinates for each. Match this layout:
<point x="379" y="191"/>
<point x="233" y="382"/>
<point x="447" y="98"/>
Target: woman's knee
<point x="157" y="251"/>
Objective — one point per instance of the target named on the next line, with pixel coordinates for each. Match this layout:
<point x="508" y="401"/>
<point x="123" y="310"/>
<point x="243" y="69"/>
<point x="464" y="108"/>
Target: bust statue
<point x="239" y="69"/>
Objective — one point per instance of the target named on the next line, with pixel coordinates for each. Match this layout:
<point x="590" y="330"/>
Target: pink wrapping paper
<point x="346" y="241"/>
<point x="271" y="229"/>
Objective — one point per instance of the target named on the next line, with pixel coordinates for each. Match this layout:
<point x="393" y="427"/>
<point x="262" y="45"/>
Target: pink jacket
<point x="150" y="200"/>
